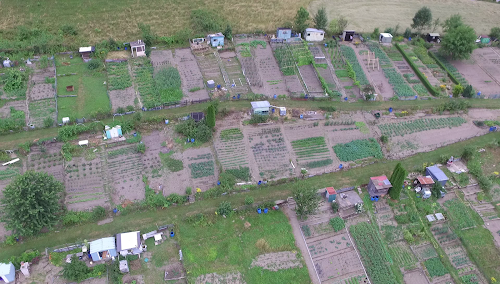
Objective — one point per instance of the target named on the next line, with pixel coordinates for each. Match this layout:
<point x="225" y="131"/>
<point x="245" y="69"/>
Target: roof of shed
<point x="433" y="34"/>
<point x="313" y="30"/>
<point x="381" y="181"/>
<point x="260" y="104"/>
<point x="86" y="49"/>
<point x="130" y="240"/>
<point x="386" y="34"/>
<point x="197" y="116"/>
<point x="331" y="190"/>
<point x="216" y="35"/>
<point x="137" y="43"/>
<point x="425" y="180"/>
<point x="6" y="268"/>
<point x="102" y="245"/>
<point x="437" y="173"/>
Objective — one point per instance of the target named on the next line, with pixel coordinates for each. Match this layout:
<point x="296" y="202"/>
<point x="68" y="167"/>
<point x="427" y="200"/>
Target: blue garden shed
<point x="7" y="273"/>
<point x="437" y="175"/>
<point x="284" y="33"/>
<point x="216" y="39"/>
<point x="103" y="248"/>
<point x="114" y="132"/>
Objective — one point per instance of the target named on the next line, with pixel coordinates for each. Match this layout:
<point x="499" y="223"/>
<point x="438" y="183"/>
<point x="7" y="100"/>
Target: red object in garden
<point x="70" y="88"/>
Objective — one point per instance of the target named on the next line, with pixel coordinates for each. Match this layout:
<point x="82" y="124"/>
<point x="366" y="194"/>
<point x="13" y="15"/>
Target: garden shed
<point x="331" y="194"/>
<point x="140" y="48"/>
<point x="7" y="272"/>
<point x="385" y="38"/>
<point x="284" y="33"/>
<point x="423" y="182"/>
<point x="103" y="249"/>
<point x="114" y="132"/>
<point x="314" y="34"/>
<point x="129" y="243"/>
<point x="85" y="52"/>
<point x="433" y="37"/>
<point x="216" y="39"/>
<point x="348" y="35"/>
<point x="197" y="116"/>
<point x="379" y="186"/>
<point x="261" y="107"/>
<point x="437" y="174"/>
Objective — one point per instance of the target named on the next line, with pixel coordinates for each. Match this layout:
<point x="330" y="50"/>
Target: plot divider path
<point x="222" y="69"/>
<point x="332" y="70"/>
<point x="136" y="91"/>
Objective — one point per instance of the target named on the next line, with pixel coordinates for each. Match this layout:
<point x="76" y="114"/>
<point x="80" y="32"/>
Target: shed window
<point x="321" y="34"/>
<point x="215" y="39"/>
<point x="308" y="34"/>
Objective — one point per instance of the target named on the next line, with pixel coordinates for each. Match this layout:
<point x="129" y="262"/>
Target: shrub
<point x="457" y="90"/>
<point x="227" y="180"/>
<point x="384" y="139"/>
<point x="468" y="92"/>
<point x="337" y="223"/>
<point x="11" y="240"/>
<point x="335" y="207"/>
<point x="256" y="119"/>
<point x="140" y="148"/>
<point x="120" y="110"/>
<point x="468" y="153"/>
<point x="76" y="270"/>
<point x="69" y="30"/>
<point x="249" y="200"/>
<point x="188" y="190"/>
<point x="94" y="64"/>
<point x="191" y="129"/>
<point x="224" y="208"/>
<point x="407" y="33"/>
<point x="48" y="122"/>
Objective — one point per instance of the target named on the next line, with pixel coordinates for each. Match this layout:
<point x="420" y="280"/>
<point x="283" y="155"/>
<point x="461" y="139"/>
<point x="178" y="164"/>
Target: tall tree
<point x="422" y="19"/>
<point x="342" y="23"/>
<point x="397" y="180"/>
<point x="435" y="24"/>
<point x="452" y="22"/>
<point x="436" y="190"/>
<point x="459" y="42"/>
<point x="495" y="33"/>
<point x="301" y="20"/>
<point x="320" y="19"/>
<point x="211" y="116"/>
<point x="306" y="199"/>
<point x="31" y="203"/>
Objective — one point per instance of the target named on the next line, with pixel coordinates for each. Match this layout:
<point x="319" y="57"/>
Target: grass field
<point x="365" y="15"/>
<point x="99" y="20"/>
<point x="235" y="247"/>
<point x="88" y="87"/>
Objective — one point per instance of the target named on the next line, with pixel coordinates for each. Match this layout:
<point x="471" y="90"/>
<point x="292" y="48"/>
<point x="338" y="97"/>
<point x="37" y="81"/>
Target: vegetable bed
<point x="435" y="267"/>
<point x="398" y="83"/>
<point x="459" y="213"/>
<point x="418" y="125"/>
<point x="350" y="56"/>
<point x="202" y="169"/>
<point x="358" y="149"/>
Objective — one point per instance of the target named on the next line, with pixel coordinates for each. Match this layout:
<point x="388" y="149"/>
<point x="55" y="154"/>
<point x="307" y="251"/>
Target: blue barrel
<point x="218" y="182"/>
<point x="326" y="44"/>
<point x="135" y="134"/>
<point x="372" y="198"/>
<point x="275" y="96"/>
<point x="259" y="211"/>
<point x="478" y="94"/>
<point x="301" y="116"/>
<point x="172" y="234"/>
<point x="341" y="166"/>
<point x="273" y="110"/>
<point x="260" y="182"/>
<point x="115" y="210"/>
<point x="192" y="140"/>
<point x="416" y="97"/>
<point x="218" y="86"/>
<point x="390" y="109"/>
<point x="493" y="128"/>
<point x="266" y="210"/>
<point x="166" y="121"/>
<point x="409" y="38"/>
<point x="239" y="96"/>
<point x="345" y="99"/>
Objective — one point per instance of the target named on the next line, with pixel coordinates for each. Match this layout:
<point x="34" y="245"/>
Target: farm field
<point x="89" y="89"/>
<point x="253" y="253"/>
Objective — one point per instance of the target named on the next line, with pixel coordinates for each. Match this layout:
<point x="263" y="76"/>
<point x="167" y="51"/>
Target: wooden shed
<point x="348" y="35"/>
<point x="379" y="186"/>
<point x="85" y="52"/>
<point x="140" y="48"/>
<point x="331" y="194"/>
<point x="432" y="37"/>
<point x="284" y="33"/>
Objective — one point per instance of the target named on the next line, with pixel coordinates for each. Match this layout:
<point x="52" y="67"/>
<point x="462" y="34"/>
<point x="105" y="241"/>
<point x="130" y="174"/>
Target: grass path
<point x="148" y="219"/>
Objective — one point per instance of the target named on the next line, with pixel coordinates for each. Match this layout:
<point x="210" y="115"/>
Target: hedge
<point x="421" y="76"/>
<point x="452" y="77"/>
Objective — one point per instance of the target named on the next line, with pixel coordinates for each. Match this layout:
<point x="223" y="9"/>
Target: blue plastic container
<point x="259" y="211"/>
<point x="192" y="140"/>
<point x="115" y="210"/>
<point x="260" y="182"/>
<point x="266" y="210"/>
<point x="239" y="96"/>
<point x="273" y="110"/>
<point x="341" y="166"/>
<point x="345" y="99"/>
<point x="172" y="234"/>
<point x="478" y="94"/>
<point x="218" y="86"/>
<point x="218" y="182"/>
<point x="390" y="109"/>
<point x="275" y="96"/>
<point x="301" y="116"/>
<point x="166" y="121"/>
<point x="493" y="128"/>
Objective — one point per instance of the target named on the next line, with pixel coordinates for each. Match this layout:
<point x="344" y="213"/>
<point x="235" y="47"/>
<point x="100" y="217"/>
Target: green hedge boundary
<point x="421" y="76"/>
<point x="452" y="77"/>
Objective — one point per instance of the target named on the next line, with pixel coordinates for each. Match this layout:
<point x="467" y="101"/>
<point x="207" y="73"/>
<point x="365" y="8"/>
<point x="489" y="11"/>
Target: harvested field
<point x="237" y="82"/>
<point x="415" y="277"/>
<point x="120" y="89"/>
<point x="49" y="161"/>
<point x="40" y="85"/>
<point x="191" y="76"/>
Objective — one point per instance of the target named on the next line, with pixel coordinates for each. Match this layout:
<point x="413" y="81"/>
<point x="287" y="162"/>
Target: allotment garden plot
<point x="191" y="77"/>
<point x="270" y="152"/>
<point x="201" y="165"/>
<point x="231" y="149"/>
<point x="41" y="95"/>
<point x="287" y="63"/>
<point x="121" y="90"/>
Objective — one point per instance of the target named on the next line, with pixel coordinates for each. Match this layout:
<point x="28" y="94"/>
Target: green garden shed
<point x="261" y="107"/>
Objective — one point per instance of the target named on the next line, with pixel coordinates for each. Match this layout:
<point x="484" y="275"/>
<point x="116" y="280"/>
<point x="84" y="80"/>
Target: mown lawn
<point x="227" y="246"/>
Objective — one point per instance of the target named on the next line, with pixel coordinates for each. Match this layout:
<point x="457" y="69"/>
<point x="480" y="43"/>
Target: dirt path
<point x="299" y="242"/>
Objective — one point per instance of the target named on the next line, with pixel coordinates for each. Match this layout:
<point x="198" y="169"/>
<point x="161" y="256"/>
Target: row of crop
<point x="450" y="69"/>
<point x="311" y="141"/>
<point x="358" y="149"/>
<point x="417" y="71"/>
<point x="285" y="60"/>
<point x="398" y="83"/>
<point x="233" y="134"/>
<point x="459" y="214"/>
<point x="118" y="76"/>
<point x="351" y="58"/>
<point x="202" y="169"/>
<point x="373" y="253"/>
<point x="418" y="125"/>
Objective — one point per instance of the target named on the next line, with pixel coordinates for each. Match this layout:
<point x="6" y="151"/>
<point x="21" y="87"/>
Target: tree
<point x="342" y="23"/>
<point x="452" y="22"/>
<point x="457" y="90"/>
<point x="320" y="19"/>
<point x="459" y="42"/>
<point x="422" y="19"/>
<point x="333" y="27"/>
<point x="468" y="92"/>
<point x="76" y="270"/>
<point x="435" y="24"/>
<point x="228" y="33"/>
<point x="495" y="33"/>
<point x="301" y="20"/>
<point x="306" y="199"/>
<point x="147" y="35"/>
<point x="397" y="180"/>
<point x="407" y="33"/>
<point x="436" y="190"/>
<point x="31" y="203"/>
<point x="369" y="92"/>
<point x="211" y="116"/>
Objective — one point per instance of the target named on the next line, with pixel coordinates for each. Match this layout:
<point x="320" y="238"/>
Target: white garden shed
<point x="385" y="38"/>
<point x="314" y="34"/>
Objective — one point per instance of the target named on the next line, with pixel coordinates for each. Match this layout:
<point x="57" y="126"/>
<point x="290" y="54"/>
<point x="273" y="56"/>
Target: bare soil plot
<point x="415" y="277"/>
<point x="201" y="165"/>
<point x="210" y="67"/>
<point x="214" y="278"/>
<point x="328" y="73"/>
<point x="273" y="81"/>
<point x="191" y="76"/>
<point x="270" y="151"/>
<point x="237" y="82"/>
<point x="311" y="80"/>
<point x="17" y="105"/>
<point x="339" y="266"/>
<point x="39" y="85"/>
<point x="293" y="85"/>
<point x="161" y="59"/>
<point x="120" y="88"/>
<point x="329" y="244"/>
<point x="124" y="173"/>
<point x="277" y="260"/>
<point x="231" y="148"/>
<point x="482" y="70"/>
<point x="49" y="161"/>
<point x="41" y="110"/>
<point x="248" y="62"/>
<point x="457" y="255"/>
<point x="85" y="184"/>
<point x="122" y="98"/>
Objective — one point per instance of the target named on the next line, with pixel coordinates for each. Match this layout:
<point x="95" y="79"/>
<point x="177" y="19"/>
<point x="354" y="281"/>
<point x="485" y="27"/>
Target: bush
<point x="249" y="200"/>
<point x="224" y="209"/>
<point x="227" y="180"/>
<point x="457" y="90"/>
<point x="337" y="223"/>
<point x="94" y="64"/>
<point x="76" y="270"/>
<point x="468" y="92"/>
<point x="256" y="119"/>
<point x="188" y="190"/>
<point x="468" y="153"/>
<point x="197" y="130"/>
<point x="328" y="108"/>
<point x="69" y="30"/>
<point x="48" y="122"/>
<point x="11" y="240"/>
<point x="140" y="148"/>
<point x="384" y="139"/>
<point x="407" y="33"/>
<point x="335" y="207"/>
<point x="120" y="110"/>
